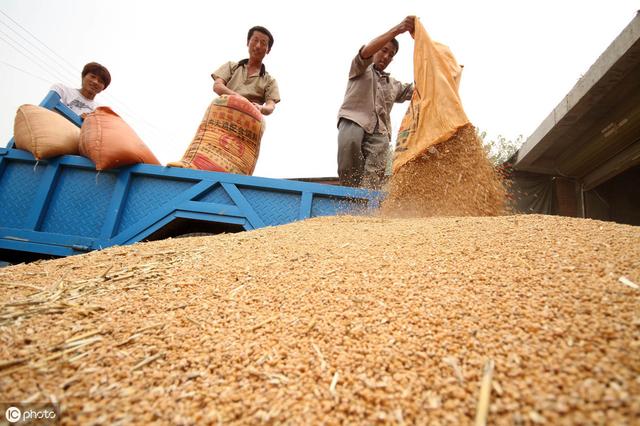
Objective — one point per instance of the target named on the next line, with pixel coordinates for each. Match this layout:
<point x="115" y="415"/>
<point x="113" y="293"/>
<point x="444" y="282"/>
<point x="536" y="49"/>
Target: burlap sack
<point x="228" y="138"/>
<point x="44" y="133"/>
<point x="108" y="141"/>
<point x="436" y="112"/>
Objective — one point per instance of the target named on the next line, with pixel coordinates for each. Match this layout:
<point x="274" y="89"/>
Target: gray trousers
<point x="362" y="157"/>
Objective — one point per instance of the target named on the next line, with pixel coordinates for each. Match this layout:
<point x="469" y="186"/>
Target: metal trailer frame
<point x="63" y="206"/>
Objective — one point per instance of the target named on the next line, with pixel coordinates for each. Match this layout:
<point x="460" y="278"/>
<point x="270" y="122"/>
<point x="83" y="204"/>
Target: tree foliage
<point x="500" y="149"/>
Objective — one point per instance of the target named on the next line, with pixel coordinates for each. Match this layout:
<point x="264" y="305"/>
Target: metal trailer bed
<point x="63" y="206"/>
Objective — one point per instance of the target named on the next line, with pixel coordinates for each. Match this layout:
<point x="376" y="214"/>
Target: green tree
<point x="500" y="149"/>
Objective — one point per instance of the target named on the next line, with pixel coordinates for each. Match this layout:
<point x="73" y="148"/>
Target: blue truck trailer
<point x="63" y="206"/>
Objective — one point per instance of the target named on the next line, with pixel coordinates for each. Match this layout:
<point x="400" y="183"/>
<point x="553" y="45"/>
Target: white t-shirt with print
<point x="74" y="99"/>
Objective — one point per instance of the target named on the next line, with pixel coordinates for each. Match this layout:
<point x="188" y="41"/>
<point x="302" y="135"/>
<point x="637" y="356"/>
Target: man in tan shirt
<point x="364" y="124"/>
<point x="249" y="77"/>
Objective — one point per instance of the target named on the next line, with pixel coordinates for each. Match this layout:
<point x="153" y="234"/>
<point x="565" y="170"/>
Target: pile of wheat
<point x="453" y="178"/>
<point x="336" y="320"/>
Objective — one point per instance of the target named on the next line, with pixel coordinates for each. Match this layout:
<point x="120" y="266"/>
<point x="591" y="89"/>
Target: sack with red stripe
<point x="228" y="138"/>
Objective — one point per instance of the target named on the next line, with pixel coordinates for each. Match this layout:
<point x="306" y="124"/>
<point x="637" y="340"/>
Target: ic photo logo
<point x="13" y="414"/>
<point x="33" y="413"/>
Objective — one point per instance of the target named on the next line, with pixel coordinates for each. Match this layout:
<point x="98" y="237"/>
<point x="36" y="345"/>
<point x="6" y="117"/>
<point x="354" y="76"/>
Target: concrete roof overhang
<point x="594" y="133"/>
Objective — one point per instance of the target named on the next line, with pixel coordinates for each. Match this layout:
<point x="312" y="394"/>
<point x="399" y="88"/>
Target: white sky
<point x="520" y="59"/>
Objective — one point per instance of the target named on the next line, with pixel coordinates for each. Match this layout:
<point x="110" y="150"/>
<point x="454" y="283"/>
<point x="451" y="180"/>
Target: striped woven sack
<point x="228" y="138"/>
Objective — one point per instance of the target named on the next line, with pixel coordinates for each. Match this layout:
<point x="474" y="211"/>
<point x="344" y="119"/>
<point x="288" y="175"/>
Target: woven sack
<point x="44" y="133"/>
<point x="110" y="142"/>
<point x="228" y="138"/>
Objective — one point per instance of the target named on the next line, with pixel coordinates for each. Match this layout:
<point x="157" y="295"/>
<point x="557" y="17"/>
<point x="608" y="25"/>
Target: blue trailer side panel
<point x="63" y="206"/>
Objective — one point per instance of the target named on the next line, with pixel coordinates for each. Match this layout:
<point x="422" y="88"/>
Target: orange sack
<point x="436" y="112"/>
<point x="108" y="141"/>
<point x="228" y="138"/>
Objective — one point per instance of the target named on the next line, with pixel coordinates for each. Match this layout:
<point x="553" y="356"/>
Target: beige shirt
<point x="370" y="96"/>
<point x="258" y="88"/>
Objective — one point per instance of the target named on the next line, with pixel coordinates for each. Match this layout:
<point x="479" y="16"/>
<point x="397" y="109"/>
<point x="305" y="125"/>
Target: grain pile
<point x="454" y="178"/>
<point x="335" y="320"/>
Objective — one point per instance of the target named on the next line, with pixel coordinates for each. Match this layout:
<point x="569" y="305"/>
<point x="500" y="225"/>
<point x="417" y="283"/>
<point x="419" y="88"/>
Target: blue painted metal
<point x="63" y="206"/>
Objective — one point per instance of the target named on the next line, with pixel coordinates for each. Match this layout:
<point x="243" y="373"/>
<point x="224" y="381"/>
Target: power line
<point x="72" y="67"/>
<point x="26" y="72"/>
<point x="150" y="125"/>
<point x="127" y="111"/>
<point x="39" y="54"/>
<point x="24" y="52"/>
<point x="48" y="81"/>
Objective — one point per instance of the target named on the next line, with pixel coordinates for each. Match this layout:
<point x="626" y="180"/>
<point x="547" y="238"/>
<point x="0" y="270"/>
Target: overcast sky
<point x="520" y="59"/>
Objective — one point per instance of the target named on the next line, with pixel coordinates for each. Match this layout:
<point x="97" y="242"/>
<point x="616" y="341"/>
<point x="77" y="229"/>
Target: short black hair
<point x="262" y="30"/>
<point x="101" y="71"/>
<point x="395" y="44"/>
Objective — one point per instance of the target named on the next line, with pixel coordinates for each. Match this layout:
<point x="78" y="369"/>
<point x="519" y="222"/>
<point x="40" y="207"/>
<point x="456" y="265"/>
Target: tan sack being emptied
<point x="108" y="141"/>
<point x="436" y="112"/>
<point x="440" y="167"/>
<point x="44" y="133"/>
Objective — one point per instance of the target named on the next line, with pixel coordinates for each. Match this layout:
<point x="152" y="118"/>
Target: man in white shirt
<point x="95" y="78"/>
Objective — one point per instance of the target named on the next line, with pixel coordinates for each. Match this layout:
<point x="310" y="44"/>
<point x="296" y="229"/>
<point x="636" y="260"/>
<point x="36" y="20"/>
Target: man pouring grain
<point x="364" y="125"/>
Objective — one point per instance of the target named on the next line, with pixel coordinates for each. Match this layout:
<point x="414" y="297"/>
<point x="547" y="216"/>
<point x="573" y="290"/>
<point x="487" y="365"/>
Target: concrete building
<point x="584" y="158"/>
